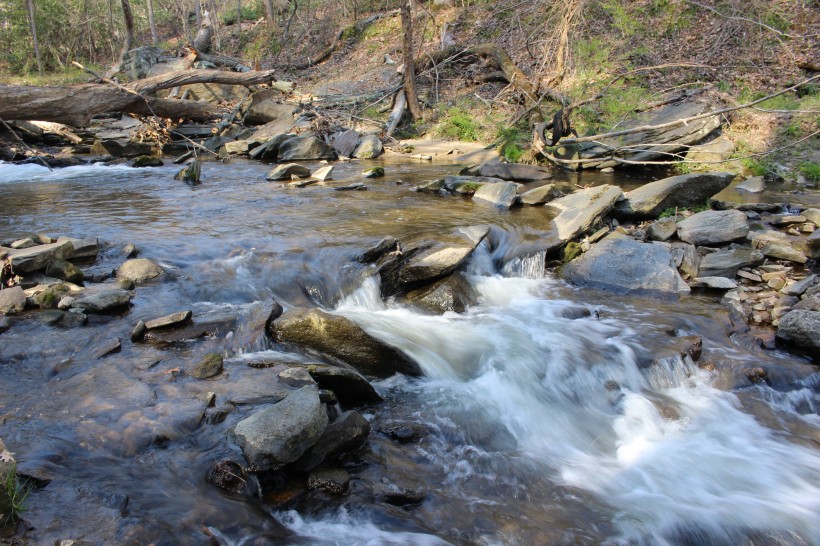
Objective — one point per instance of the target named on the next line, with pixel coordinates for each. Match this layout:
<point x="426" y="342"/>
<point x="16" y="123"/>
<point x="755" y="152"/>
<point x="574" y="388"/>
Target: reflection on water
<point x="538" y="428"/>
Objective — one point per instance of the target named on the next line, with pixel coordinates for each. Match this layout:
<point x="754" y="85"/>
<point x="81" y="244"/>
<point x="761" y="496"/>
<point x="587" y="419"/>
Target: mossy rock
<point x="209" y="366"/>
<point x="50" y="297"/>
<point x="570" y="252"/>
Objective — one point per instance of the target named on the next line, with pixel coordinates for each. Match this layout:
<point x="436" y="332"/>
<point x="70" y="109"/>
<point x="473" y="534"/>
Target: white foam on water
<point x="11" y="173"/>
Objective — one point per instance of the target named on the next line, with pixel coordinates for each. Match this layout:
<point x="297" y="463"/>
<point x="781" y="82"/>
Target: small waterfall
<point x="528" y="267"/>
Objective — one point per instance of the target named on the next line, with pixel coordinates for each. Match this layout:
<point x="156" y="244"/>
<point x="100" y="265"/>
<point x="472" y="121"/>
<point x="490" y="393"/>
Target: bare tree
<point x="409" y="63"/>
<point x="152" y="22"/>
<point x="30" y="6"/>
<point x="269" y="13"/>
<point x="128" y="18"/>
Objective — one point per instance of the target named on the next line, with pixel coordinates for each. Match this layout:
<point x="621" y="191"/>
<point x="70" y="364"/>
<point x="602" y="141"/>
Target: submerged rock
<point x="622" y="264"/>
<point x="375" y="172"/>
<point x="169" y="321"/>
<point x="341" y="338"/>
<point x="209" y="366"/>
<point x="280" y="434"/>
<point x="330" y="480"/>
<point x="684" y="190"/>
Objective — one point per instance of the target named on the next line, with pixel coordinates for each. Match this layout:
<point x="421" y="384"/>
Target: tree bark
<point x="152" y="22"/>
<point x="269" y="13"/>
<point x="409" y="64"/>
<point x="198" y="13"/>
<point x="128" y="18"/>
<point x="77" y="104"/>
<point x="33" y="23"/>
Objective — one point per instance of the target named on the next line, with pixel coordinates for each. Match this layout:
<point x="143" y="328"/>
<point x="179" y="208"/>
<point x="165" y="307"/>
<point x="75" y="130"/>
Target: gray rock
<point x="210" y="366"/>
<point x="280" y="434"/>
<point x="237" y="147"/>
<point x="169" y="321"/>
<point x="509" y="171"/>
<point x="622" y="264"/>
<point x="662" y="230"/>
<point x="296" y="377"/>
<point x="812" y="215"/>
<point x="759" y="239"/>
<point x="687" y="259"/>
<point x="345" y="142"/>
<point x="347" y="433"/>
<point x="453" y="293"/>
<point x="369" y="147"/>
<point x="287" y="172"/>
<point x="103" y="302"/>
<point x="439" y="260"/>
<point x="720" y="283"/>
<point x="81" y="248"/>
<point x="265" y="110"/>
<point x="26" y="260"/>
<point x="304" y="148"/>
<point x="146" y="161"/>
<point x="191" y="174"/>
<point x="375" y="172"/>
<point x="330" y="480"/>
<point x="140" y="270"/>
<point x="73" y="318"/>
<point x="798" y="288"/>
<point x="713" y="226"/>
<point x="539" y="196"/>
<point x="780" y="251"/>
<point x="755" y="184"/>
<point x="342" y="339"/>
<point x="800" y="329"/>
<point x="684" y="190"/>
<point x="270" y="148"/>
<point x="813" y="245"/>
<point x="12" y="300"/>
<point x="64" y="270"/>
<point x="107" y="348"/>
<point x="788" y="219"/>
<point x="351" y="388"/>
<point x="20" y="244"/>
<point x="725" y="263"/>
<point x="501" y="194"/>
<point x="138" y="333"/>
<point x="355" y="186"/>
<point x="323" y="173"/>
<point x="580" y="211"/>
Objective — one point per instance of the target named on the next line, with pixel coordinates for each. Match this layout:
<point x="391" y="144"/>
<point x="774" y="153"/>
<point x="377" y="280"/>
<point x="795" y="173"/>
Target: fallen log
<point x="75" y="105"/>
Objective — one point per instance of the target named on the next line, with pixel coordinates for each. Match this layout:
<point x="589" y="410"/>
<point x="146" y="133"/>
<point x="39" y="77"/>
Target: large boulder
<point x="800" y="329"/>
<point x="279" y="435"/>
<point x="348" y="432"/>
<point x="581" y="210"/>
<point x="342" y="339"/>
<point x="684" y="190"/>
<point x="515" y="172"/>
<point x="501" y="194"/>
<point x="369" y="147"/>
<point x="140" y="270"/>
<point x="345" y="142"/>
<point x="265" y="108"/>
<point x="269" y="149"/>
<point x="713" y="226"/>
<point x="12" y="300"/>
<point x="621" y="264"/>
<point x="725" y="263"/>
<point x="305" y="148"/>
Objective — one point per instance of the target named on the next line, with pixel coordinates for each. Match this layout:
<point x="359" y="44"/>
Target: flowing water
<point x="535" y="426"/>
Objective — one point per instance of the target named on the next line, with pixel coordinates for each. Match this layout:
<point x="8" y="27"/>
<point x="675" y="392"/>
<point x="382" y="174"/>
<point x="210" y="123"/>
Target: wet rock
<point x="719" y="283"/>
<point x="341" y="338"/>
<point x="725" y="263"/>
<point x="662" y="230"/>
<point x="169" y="321"/>
<point x="81" y="248"/>
<point x="404" y="432"/>
<point x="760" y="239"/>
<point x="20" y="244"/>
<point x="323" y="173"/>
<point x="580" y="211"/>
<point x="356" y="186"/>
<point x="345" y="142"/>
<point x="756" y="375"/>
<point x="375" y="172"/>
<point x="755" y="184"/>
<point x="501" y="194"/>
<point x="305" y="148"/>
<point x="64" y="270"/>
<point x="209" y="366"/>
<point x="453" y="293"/>
<point x="439" y="260"/>
<point x="713" y="226"/>
<point x="107" y="348"/>
<point x="147" y="161"/>
<point x="269" y="149"/>
<point x="812" y="215"/>
<point x="786" y="252"/>
<point x="138" y="333"/>
<point x="140" y="270"/>
<point x="296" y="377"/>
<point x="27" y="260"/>
<point x="622" y="264"/>
<point x="330" y="480"/>
<point x="230" y="476"/>
<point x="351" y="388"/>
<point x="190" y="174"/>
<point x="800" y="329"/>
<point x="12" y="300"/>
<point x="398" y="495"/>
<point x="684" y="190"/>
<point x="347" y="433"/>
<point x="50" y="317"/>
<point x="287" y="172"/>
<point x="509" y="171"/>
<point x="575" y="312"/>
<point x="74" y="318"/>
<point x="539" y="196"/>
<point x="687" y="259"/>
<point x="369" y="147"/>
<point x="106" y="301"/>
<point x="280" y="434"/>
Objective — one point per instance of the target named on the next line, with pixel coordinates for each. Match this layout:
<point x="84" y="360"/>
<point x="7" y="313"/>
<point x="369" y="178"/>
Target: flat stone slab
<point x="103" y="302"/>
<point x="720" y="283"/>
<point x="713" y="226"/>
<point x="169" y="321"/>
<point x="501" y="194"/>
<point x="539" y="196"/>
<point x="725" y="263"/>
<point x="621" y="264"/>
<point x="684" y="190"/>
<point x="581" y="210"/>
<point x="35" y="258"/>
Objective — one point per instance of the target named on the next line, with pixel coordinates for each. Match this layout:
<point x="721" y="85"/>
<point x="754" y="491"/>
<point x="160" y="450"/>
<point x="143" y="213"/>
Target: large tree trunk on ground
<point x="76" y="105"/>
<point x="409" y="66"/>
<point x="33" y="23"/>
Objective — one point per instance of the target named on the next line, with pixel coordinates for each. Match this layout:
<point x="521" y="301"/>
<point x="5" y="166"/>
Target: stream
<point x="536" y="424"/>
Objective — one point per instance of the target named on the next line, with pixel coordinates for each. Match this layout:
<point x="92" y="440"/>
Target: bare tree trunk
<point x="238" y="17"/>
<point x="198" y="13"/>
<point x="409" y="63"/>
<point x="269" y="13"/>
<point x="128" y="18"/>
<point x="152" y="22"/>
<point x="30" y="5"/>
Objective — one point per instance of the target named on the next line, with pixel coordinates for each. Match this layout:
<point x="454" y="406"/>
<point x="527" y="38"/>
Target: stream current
<point x="536" y="427"/>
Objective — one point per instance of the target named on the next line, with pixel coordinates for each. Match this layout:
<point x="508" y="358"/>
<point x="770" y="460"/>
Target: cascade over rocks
<point x="684" y="190"/>
<point x="342" y="339"/>
<point x="620" y="263"/>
